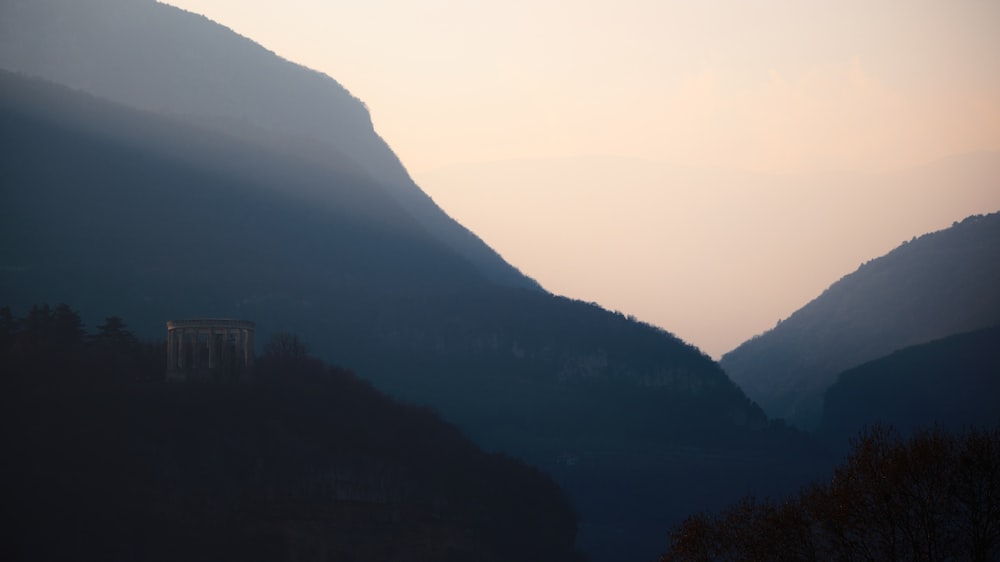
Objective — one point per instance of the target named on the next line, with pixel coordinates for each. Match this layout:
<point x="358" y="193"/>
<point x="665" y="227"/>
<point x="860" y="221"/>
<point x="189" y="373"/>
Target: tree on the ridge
<point x="114" y="331"/>
<point x="285" y="357"/>
<point x="67" y="326"/>
<point x="116" y="354"/>
<point x="284" y="345"/>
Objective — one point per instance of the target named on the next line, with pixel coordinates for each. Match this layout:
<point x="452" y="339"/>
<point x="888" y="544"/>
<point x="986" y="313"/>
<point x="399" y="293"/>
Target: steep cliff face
<point x="160" y="58"/>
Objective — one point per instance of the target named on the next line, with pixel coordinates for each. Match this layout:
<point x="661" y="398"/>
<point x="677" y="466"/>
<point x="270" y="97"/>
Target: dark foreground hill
<point x="301" y="462"/>
<point x="150" y="218"/>
<point x="934" y="286"/>
<point x="953" y="382"/>
<point x="157" y="57"/>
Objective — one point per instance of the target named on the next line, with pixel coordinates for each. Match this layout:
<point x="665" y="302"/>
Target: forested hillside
<point x="302" y="461"/>
<point x="933" y="286"/>
<point x="952" y="382"/>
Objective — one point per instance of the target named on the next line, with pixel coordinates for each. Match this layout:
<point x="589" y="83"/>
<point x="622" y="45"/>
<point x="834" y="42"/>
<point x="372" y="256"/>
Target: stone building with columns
<point x="211" y="349"/>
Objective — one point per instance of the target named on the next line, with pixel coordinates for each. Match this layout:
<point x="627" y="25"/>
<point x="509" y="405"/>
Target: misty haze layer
<point x="717" y="256"/>
<point x="157" y="57"/>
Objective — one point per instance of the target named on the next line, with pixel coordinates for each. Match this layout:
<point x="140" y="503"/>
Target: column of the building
<point x="237" y="350"/>
<point x="227" y="351"/>
<point x="171" y="353"/>
<point x="211" y="348"/>
<point x="196" y="356"/>
<point x="244" y="347"/>
<point x="181" y="357"/>
<point x="238" y="347"/>
<point x="202" y="342"/>
<point x="249" y="357"/>
<point x="191" y="335"/>
<point x="222" y="359"/>
<point x="207" y="357"/>
<point x="192" y="342"/>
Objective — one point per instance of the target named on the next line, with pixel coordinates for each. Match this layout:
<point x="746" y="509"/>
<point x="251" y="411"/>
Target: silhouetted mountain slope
<point x="158" y="57"/>
<point x="305" y="463"/>
<point x="109" y="189"/>
<point x="953" y="382"/>
<point x="936" y="285"/>
<point x="127" y="212"/>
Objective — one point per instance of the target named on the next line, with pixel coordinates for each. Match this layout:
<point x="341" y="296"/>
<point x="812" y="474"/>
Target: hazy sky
<point x="782" y="87"/>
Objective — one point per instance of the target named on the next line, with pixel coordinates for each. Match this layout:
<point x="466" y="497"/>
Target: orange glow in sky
<point x="648" y="96"/>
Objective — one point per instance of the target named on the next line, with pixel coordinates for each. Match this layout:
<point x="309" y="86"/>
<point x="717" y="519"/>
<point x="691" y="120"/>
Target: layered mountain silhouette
<point x="939" y="284"/>
<point x="952" y="382"/>
<point x="152" y="209"/>
<point x="157" y="57"/>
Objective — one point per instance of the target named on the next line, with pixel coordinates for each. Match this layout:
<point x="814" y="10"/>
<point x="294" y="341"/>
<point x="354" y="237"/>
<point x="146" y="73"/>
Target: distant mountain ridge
<point x="158" y="57"/>
<point x="939" y="284"/>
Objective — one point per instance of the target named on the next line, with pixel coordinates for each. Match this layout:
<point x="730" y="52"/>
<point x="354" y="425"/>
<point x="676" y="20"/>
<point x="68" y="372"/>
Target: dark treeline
<point x="932" y="497"/>
<point x="49" y="347"/>
<point x="306" y="462"/>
